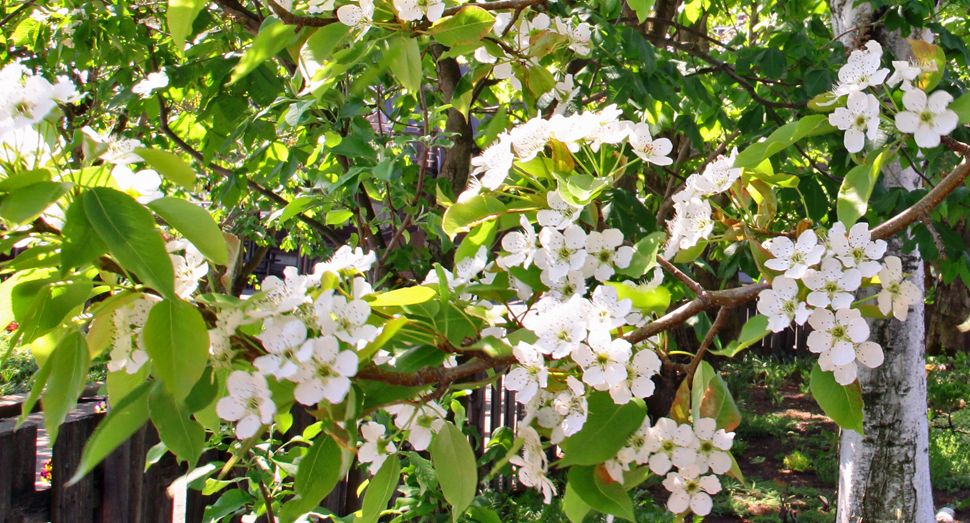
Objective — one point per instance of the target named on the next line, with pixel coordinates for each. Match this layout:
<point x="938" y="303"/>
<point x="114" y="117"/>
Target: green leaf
<point x="273" y="37"/>
<point x="712" y="399"/>
<point x="643" y="9"/>
<point x="204" y="391"/>
<point x="196" y="224"/>
<point x="26" y="203"/>
<point x="856" y="189"/>
<point x="123" y="420"/>
<point x="607" y="428"/>
<point x="606" y="498"/>
<point x="464" y="216"/>
<point x="180" y="15"/>
<point x="318" y="49"/>
<point x="170" y="166"/>
<point x="182" y="435"/>
<point x="774" y="63"/>
<point x="23" y="179"/>
<point x="752" y="332"/>
<point x="783" y="137"/>
<point x="69" y="369"/>
<point x="467" y="26"/>
<point x="644" y="255"/>
<point x="454" y="462"/>
<point x="404" y="59"/>
<point x="386" y="335"/>
<point x="961" y="106"/>
<point x="842" y="403"/>
<point x="380" y="490"/>
<point x="128" y="229"/>
<point x="40" y="306"/>
<point x="81" y="242"/>
<point x="480" y="236"/>
<point x="573" y="505"/>
<point x="38" y="382"/>
<point x="177" y="339"/>
<point x="316" y="476"/>
<point x="401" y="297"/>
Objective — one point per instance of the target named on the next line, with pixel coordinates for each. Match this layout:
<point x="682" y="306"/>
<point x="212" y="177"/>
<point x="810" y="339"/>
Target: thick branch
<point x="302" y="21"/>
<point x="250" y="20"/>
<point x="932" y="198"/>
<point x="495" y="6"/>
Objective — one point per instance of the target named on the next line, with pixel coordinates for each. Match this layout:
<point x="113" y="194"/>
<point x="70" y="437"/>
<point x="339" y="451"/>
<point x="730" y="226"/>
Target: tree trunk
<point x="884" y="475"/>
<point x="951" y="307"/>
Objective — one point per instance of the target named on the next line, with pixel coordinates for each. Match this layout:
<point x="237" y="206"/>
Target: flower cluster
<point x="830" y="273"/>
<point x="25" y="100"/>
<point x="925" y="117"/>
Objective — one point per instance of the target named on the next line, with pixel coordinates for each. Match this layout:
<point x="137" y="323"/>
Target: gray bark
<point x="884" y="475"/>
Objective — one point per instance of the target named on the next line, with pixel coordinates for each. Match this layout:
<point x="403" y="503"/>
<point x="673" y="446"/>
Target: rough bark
<point x="950" y="307"/>
<point x="885" y="474"/>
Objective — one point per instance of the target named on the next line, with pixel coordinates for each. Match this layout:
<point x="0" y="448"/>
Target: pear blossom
<point x="376" y="448"/>
<point x="495" y="162"/>
<point x="521" y="246"/>
<point x="859" y="119"/>
<point x="603" y="360"/>
<point x="571" y="405"/>
<point x="573" y="284"/>
<point x="604" y="251"/>
<point x="897" y="294"/>
<point x="284" y="339"/>
<point x="867" y="353"/>
<point x="719" y="175"/>
<point x="564" y="91"/>
<point x="189" y="269"/>
<point x="533" y="464"/>
<point x="127" y="346"/>
<point x="144" y="183"/>
<point x="691" y="491"/>
<point x="316" y="7"/>
<point x="794" y="257"/>
<point x="469" y="267"/>
<point x="345" y="259"/>
<point x="529" y="375"/>
<point x="416" y="9"/>
<point x="560" y="213"/>
<point x="640" y="370"/>
<point x="249" y="403"/>
<point x="327" y="374"/>
<point x="832" y="286"/>
<point x="781" y="305"/>
<point x="861" y="70"/>
<point x="857" y="248"/>
<point x="359" y="16"/>
<point x="347" y="320"/>
<point x="530" y="138"/>
<point x="282" y="296"/>
<point x="151" y="83"/>
<point x="561" y="330"/>
<point x="926" y="118"/>
<point x="579" y="36"/>
<point x="637" y="448"/>
<point x="712" y="444"/>
<point x="421" y="422"/>
<point x="648" y="149"/>
<point x="669" y="445"/>
<point x="906" y="73"/>
<point x="836" y="335"/>
<point x="116" y="151"/>
<point x="691" y="223"/>
<point x="606" y="310"/>
<point x="561" y="251"/>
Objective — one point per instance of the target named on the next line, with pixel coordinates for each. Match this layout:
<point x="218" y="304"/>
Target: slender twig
<point x="16" y="12"/>
<point x="708" y="339"/>
<point x="397" y="234"/>
<point x="685" y="279"/>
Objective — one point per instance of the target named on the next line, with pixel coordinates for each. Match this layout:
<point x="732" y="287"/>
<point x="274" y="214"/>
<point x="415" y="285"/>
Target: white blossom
<point x="359" y="16"/>
<point x="832" y="286"/>
<point x="573" y="284"/>
<point x="533" y="464"/>
<point x="376" y="448"/>
<point x="416" y="9"/>
<point x="669" y="445"/>
<point x="127" y="345"/>
<point x="861" y="70"/>
<point x="712" y="444"/>
<point x="150" y="83"/>
<point x="327" y="374"/>
<point x="521" y="246"/>
<point x="529" y="375"/>
<point x="926" y="118"/>
<point x="640" y="370"/>
<point x="249" y="403"/>
<point x="560" y="213"/>
<point x="781" y="305"/>
<point x="897" y="294"/>
<point x="344" y="319"/>
<point x="530" y="138"/>
<point x="859" y="119"/>
<point x="857" y="248"/>
<point x="561" y="251"/>
<point x="188" y="269"/>
<point x="603" y="360"/>
<point x="144" y="183"/>
<point x="607" y="311"/>
<point x="421" y="422"/>
<point x="345" y="259"/>
<point x="561" y="329"/>
<point x="604" y="251"/>
<point x="794" y="257"/>
<point x="648" y="149"/>
<point x="571" y="405"/>
<point x="719" y="175"/>
<point x="836" y="335"/>
<point x="494" y="163"/>
<point x="691" y="491"/>
<point x="284" y="339"/>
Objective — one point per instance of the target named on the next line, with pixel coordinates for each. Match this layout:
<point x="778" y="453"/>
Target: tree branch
<point x="708" y="339"/>
<point x="495" y="6"/>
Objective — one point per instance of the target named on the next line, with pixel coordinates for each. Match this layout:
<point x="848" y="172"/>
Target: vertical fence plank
<point x="18" y="461"/>
<point x="74" y="504"/>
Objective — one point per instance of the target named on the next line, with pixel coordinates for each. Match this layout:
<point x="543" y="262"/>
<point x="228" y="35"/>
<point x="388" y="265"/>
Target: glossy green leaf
<point x="380" y="490"/>
<point x="467" y="26"/>
<point x="128" y="229"/>
<point x="26" y="203"/>
<point x="169" y="165"/>
<point x="387" y="334"/>
<point x="854" y="194"/>
<point x="573" y="505"/>
<point x="182" y="435"/>
<point x="177" y="339"/>
<point x="607" y="428"/>
<point x="196" y="224"/>
<point x="401" y="297"/>
<point x="404" y="59"/>
<point x="69" y="370"/>
<point x="124" y="419"/>
<point x="643" y="8"/>
<point x="454" y="462"/>
<point x="644" y="255"/>
<point x="961" y="106"/>
<point x="40" y="306"/>
<point x="204" y="391"/>
<point x="464" y="216"/>
<point x="273" y="37"/>
<point x="481" y="236"/>
<point x="316" y="476"/>
<point x="752" y="332"/>
<point x="606" y="498"/>
<point x="842" y="403"/>
<point x="22" y="179"/>
<point x="782" y="138"/>
<point x="652" y="299"/>
<point x="180" y="15"/>
<point x="710" y="398"/>
<point x="81" y="242"/>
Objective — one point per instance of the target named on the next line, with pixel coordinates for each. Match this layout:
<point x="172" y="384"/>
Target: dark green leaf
<point x="69" y="368"/>
<point x="380" y="490"/>
<point x="177" y="339"/>
<point x="607" y="428"/>
<point x="842" y="403"/>
<point x="26" y="203"/>
<point x="454" y="462"/>
<point x="81" y="242"/>
<point x="606" y="498"/>
<point x="196" y="225"/>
